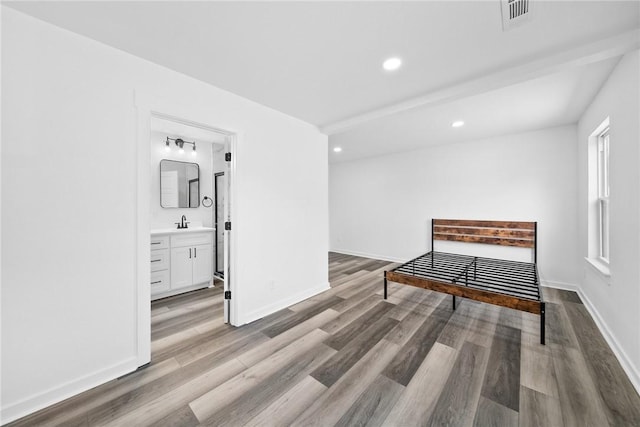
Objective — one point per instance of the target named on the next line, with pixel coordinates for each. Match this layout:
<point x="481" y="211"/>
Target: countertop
<point x="182" y="230"/>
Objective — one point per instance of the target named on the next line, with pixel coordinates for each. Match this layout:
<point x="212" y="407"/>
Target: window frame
<point x="604" y="192"/>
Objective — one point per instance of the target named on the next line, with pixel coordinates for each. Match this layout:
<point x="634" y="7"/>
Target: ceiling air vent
<point x="515" y="13"/>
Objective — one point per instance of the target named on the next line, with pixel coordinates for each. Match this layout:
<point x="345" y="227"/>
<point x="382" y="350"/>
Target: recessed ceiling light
<point x="457" y="124"/>
<point x="337" y="149"/>
<point x="392" y="64"/>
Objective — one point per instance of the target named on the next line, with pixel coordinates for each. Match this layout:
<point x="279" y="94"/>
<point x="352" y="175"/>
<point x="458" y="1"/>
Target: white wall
<point x="614" y="300"/>
<point x="382" y="207"/>
<point x="69" y="207"/>
<point x="167" y="217"/>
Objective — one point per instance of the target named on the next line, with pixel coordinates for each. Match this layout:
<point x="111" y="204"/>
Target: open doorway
<point x="187" y="209"/>
<point x="150" y="108"/>
<point x="151" y="112"/>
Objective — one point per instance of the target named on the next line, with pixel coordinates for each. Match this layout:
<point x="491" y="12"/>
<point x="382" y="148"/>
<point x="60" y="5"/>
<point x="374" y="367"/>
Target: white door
<point x="181" y="267"/>
<point x="202" y="264"/>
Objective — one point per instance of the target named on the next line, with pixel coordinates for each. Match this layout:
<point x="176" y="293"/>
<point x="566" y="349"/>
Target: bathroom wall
<point x="206" y="157"/>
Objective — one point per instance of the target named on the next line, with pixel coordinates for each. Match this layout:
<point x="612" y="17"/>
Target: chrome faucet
<point x="183" y="223"/>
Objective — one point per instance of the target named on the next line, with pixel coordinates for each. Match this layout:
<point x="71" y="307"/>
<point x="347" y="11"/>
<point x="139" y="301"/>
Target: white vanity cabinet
<point x="181" y="261"/>
<point x="160" y="280"/>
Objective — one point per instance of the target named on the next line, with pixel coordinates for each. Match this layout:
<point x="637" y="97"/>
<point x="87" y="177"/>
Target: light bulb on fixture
<point x="180" y="144"/>
<point x="193" y="152"/>
<point x="167" y="148"/>
<point x="392" y="64"/>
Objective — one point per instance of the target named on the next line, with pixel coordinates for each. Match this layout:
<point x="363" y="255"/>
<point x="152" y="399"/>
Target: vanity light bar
<point x="180" y="143"/>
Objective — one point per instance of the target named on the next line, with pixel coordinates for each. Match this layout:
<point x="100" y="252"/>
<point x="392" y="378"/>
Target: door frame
<point x="148" y="107"/>
<point x="216" y="175"/>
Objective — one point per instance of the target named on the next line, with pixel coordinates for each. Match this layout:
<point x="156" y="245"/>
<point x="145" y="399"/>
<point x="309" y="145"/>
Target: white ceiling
<point x="547" y="101"/>
<point x="321" y="61"/>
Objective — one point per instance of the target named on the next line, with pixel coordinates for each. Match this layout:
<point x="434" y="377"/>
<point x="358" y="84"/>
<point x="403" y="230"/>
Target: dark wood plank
<point x="347" y="334"/>
<point x="620" y="398"/>
<point x="522" y="225"/>
<point x="412" y="354"/>
<point x="492" y="232"/>
<point x="183" y="417"/>
<point x="492" y="414"/>
<point x="349" y="312"/>
<point x="182" y="299"/>
<point x="502" y="379"/>
<point x="223" y="334"/>
<point x="373" y="405"/>
<point x="248" y="405"/>
<point x="538" y="409"/>
<point x="271" y="319"/>
<point x="368" y="265"/>
<point x="329" y="372"/>
<point x="328" y="408"/>
<point x="466" y="292"/>
<point x="559" y="330"/>
<point x="459" y="326"/>
<point x="502" y="241"/>
<point x="581" y="402"/>
<point x="462" y="390"/>
<point x="300" y="316"/>
<point x="568" y="296"/>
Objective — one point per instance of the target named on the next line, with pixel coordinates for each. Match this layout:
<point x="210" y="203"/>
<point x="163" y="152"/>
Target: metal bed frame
<point x="505" y="283"/>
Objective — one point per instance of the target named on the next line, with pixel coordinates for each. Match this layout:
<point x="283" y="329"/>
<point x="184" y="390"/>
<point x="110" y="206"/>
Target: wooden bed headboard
<point x="504" y="233"/>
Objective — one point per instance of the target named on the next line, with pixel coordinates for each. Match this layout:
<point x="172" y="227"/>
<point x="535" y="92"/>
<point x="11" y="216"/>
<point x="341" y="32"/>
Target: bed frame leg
<point x="454" y="301"/>
<point x="542" y="316"/>
<point x="385" y="285"/>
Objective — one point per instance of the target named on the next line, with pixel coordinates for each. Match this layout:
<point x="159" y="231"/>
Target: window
<point x="603" y="195"/>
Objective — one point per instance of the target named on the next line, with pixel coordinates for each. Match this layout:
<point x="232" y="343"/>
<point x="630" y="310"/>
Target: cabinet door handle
<point x="195" y="252"/>
<point x="156" y="260"/>
<point x="189" y="253"/>
<point x="157" y="281"/>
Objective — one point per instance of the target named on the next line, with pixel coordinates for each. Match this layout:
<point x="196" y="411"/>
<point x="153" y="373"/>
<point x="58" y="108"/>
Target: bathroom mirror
<point x="179" y="184"/>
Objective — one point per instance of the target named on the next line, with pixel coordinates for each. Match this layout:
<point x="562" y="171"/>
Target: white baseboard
<point x="57" y="394"/>
<point x="560" y="285"/>
<point x="368" y="255"/>
<point x="621" y="355"/>
<point x="279" y="305"/>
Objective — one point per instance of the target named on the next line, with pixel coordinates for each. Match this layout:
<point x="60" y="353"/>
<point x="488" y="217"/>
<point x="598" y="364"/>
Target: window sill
<point x="599" y="266"/>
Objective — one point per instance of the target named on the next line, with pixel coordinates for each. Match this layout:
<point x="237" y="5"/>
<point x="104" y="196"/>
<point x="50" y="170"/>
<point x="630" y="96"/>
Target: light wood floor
<point x="347" y="357"/>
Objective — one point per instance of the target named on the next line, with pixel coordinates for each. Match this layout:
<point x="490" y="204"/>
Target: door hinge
<point x="227" y="225"/>
<point x="227" y="157"/>
<point x="227" y="294"/>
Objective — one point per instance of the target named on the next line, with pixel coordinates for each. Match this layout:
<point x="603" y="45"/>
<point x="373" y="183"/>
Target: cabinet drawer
<point x="160" y="282"/>
<point x="159" y="242"/>
<point x="159" y="260"/>
<point x="191" y="239"/>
